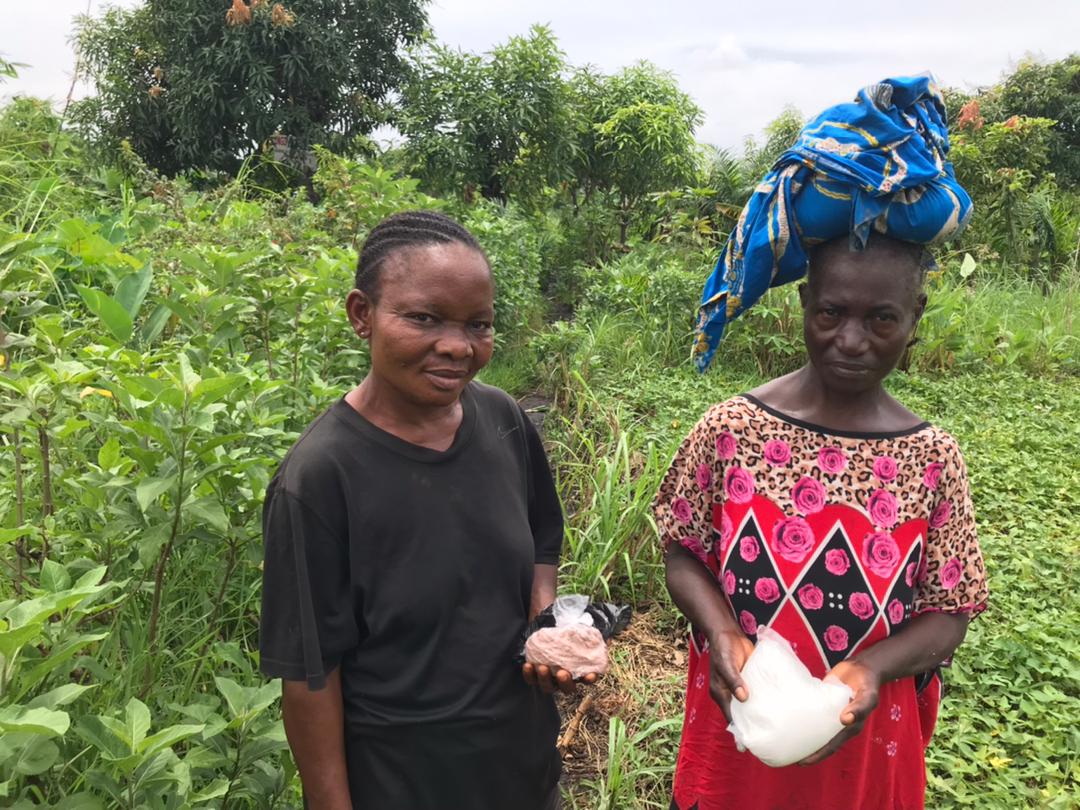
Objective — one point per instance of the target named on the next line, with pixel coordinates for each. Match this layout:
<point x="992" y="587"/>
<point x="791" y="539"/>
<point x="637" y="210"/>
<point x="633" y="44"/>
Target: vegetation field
<point x="167" y="330"/>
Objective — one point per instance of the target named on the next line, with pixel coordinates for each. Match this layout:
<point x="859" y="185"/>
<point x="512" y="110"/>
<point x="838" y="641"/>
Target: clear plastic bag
<point x="575" y="610"/>
<point x="789" y="713"/>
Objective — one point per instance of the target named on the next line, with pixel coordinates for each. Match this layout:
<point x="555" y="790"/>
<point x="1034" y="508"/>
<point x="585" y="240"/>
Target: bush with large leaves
<point x="497" y="124"/>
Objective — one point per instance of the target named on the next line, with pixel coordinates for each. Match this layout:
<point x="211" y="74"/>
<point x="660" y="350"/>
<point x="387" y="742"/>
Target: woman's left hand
<point x="550" y="679"/>
<point x="864" y="682"/>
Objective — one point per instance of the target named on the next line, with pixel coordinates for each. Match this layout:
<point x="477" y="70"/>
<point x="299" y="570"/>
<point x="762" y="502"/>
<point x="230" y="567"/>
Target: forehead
<point x="440" y="274"/>
<point x="884" y="276"/>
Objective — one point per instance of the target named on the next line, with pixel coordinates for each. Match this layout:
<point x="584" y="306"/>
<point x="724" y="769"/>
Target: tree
<point x="1050" y="91"/>
<point x="635" y="136"/>
<point x="497" y="123"/>
<point x="197" y="84"/>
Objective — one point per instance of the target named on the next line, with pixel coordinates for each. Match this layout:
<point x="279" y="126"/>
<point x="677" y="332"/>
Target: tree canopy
<point x="196" y="84"/>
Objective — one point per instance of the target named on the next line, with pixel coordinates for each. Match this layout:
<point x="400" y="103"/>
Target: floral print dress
<point x="835" y="540"/>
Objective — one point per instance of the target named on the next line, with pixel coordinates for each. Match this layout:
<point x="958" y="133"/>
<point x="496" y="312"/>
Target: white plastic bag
<point x="789" y="713"/>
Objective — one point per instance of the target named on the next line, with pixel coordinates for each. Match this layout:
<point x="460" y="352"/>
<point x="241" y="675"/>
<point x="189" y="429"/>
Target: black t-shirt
<point x="412" y="570"/>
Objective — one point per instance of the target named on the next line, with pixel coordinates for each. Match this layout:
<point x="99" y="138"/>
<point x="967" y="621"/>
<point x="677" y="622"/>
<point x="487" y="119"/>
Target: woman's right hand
<point x="728" y="651"/>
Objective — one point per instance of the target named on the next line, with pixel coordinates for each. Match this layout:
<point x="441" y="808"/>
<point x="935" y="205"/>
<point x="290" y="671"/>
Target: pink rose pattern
<point x="729" y="583"/>
<point x="883" y="508"/>
<point x="885" y="469"/>
<point x="832" y="460"/>
<point x="837" y="561"/>
<point x="909" y="574"/>
<point x="810" y="597"/>
<point x="895" y="611"/>
<point x="748" y="623"/>
<point x="767" y="590"/>
<point x="808" y="495"/>
<point x="932" y="475"/>
<point x="836" y="638"/>
<point x="940" y="516"/>
<point x="749" y="549"/>
<point x="726" y="446"/>
<point x="739" y="485"/>
<point x="860" y="604"/>
<point x="726" y="530"/>
<point x="895" y="481"/>
<point x="951" y="573"/>
<point x="777" y="452"/>
<point x="880" y="554"/>
<point x="792" y="539"/>
<point x="703" y="476"/>
<point x="683" y="511"/>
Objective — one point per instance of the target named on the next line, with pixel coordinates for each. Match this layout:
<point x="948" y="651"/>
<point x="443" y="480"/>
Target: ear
<point x="360" y="309"/>
<point x="804" y="294"/>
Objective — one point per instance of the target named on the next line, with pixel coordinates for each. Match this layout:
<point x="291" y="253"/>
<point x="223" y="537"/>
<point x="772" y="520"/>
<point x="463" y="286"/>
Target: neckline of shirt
<point x="358" y="422"/>
<point x="827" y="431"/>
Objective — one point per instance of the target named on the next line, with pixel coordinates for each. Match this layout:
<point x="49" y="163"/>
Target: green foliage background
<point x="163" y="342"/>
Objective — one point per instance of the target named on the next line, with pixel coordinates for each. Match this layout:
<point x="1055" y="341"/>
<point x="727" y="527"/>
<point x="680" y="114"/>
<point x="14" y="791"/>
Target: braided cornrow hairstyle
<point x="405" y="230"/>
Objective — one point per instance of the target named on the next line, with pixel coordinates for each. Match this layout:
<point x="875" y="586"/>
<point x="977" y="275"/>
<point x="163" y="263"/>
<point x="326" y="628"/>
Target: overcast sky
<point x="742" y="62"/>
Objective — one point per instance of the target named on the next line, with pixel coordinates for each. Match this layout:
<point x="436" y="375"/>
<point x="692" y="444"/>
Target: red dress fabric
<point x="835" y="541"/>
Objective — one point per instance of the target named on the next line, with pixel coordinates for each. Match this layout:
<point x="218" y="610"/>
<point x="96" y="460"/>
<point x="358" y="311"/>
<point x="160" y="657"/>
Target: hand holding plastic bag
<point x="566" y="642"/>
<point x="789" y="713"/>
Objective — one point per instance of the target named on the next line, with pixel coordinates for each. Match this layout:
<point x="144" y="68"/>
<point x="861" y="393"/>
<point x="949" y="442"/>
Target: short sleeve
<point x="688" y="495"/>
<point x="545" y="510"/>
<point x="952" y="578"/>
<point x="308" y="619"/>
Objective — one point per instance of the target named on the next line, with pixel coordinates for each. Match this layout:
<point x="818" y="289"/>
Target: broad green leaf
<point x="57" y="657"/>
<point x="149" y="490"/>
<point x="112" y="314"/>
<point x="168" y="737"/>
<point x="208" y="511"/>
<point x="36" y="757"/>
<point x="11" y="641"/>
<point x="79" y="801"/>
<point x="136" y="722"/>
<point x="106" y="738"/>
<point x="54" y="577"/>
<point x="36" y="611"/>
<point x="109" y="454"/>
<point x="11" y="535"/>
<point x="236" y="696"/>
<point x="212" y="389"/>
<point x="60" y="696"/>
<point x="215" y="790"/>
<point x="188" y="378"/>
<point x="132" y="289"/>
<point x="154" y="325"/>
<point x="49" y="722"/>
<point x="91" y="579"/>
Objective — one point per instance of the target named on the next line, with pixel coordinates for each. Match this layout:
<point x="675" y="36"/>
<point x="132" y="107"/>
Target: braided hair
<point x="406" y="229"/>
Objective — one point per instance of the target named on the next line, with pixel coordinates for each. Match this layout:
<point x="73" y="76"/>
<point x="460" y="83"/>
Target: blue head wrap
<point x="877" y="162"/>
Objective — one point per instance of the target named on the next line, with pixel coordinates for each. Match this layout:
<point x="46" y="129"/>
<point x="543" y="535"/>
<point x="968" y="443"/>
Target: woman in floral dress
<point x="820" y="506"/>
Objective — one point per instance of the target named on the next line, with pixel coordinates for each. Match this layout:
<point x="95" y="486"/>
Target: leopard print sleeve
<point x="689" y="493"/>
<point x="953" y="575"/>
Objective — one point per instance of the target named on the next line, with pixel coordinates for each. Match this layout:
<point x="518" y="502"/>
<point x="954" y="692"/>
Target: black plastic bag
<point x="575" y="608"/>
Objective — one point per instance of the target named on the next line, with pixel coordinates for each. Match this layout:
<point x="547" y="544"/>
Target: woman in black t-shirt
<point x="410" y="534"/>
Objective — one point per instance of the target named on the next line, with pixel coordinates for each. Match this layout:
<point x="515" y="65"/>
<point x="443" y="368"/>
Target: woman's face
<point x="858" y="315"/>
<point x="430" y="330"/>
